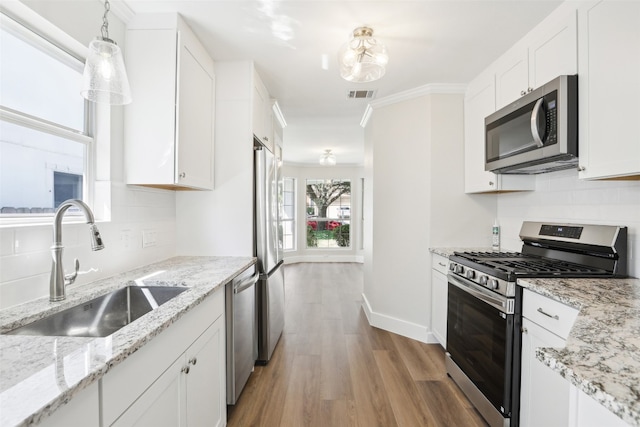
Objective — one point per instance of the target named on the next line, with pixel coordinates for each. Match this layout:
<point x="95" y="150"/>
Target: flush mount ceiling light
<point x="328" y="158"/>
<point x="362" y="59"/>
<point x="104" y="79"/>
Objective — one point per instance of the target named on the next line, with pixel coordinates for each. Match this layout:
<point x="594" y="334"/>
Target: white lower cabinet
<point x="439" y="298"/>
<point x="186" y="394"/>
<point x="82" y="410"/>
<point x="586" y="412"/>
<point x="544" y="395"/>
<point x="177" y="379"/>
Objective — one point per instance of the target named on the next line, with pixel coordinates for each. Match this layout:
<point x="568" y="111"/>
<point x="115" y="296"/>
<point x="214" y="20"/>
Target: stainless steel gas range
<point x="484" y="312"/>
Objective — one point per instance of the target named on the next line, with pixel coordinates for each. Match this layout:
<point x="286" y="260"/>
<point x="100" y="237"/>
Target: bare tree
<point x="323" y="194"/>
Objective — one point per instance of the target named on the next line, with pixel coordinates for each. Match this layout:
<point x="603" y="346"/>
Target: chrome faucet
<point x="58" y="280"/>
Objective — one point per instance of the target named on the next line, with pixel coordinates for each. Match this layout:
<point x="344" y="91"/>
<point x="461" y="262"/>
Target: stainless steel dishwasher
<point x="242" y="346"/>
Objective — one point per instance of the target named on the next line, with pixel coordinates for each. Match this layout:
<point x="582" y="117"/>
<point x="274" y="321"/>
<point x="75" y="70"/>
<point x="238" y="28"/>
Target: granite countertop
<point x="40" y="374"/>
<point x="602" y="356"/>
<point x="447" y="252"/>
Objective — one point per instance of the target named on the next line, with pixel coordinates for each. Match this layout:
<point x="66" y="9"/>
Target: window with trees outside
<point x="328" y="209"/>
<point x="44" y="123"/>
<point x="288" y="214"/>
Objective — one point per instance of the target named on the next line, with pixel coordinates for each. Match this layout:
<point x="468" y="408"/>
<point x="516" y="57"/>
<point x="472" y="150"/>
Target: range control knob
<point x="470" y="274"/>
<point x="483" y="280"/>
<point x="452" y="266"/>
<point x="493" y="283"/>
<point x="459" y="269"/>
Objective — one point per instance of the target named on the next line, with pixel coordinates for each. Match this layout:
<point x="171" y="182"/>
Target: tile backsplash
<point x="562" y="197"/>
<point x="141" y="231"/>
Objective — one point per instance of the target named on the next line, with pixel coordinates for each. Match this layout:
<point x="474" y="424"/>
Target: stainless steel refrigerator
<point x="268" y="248"/>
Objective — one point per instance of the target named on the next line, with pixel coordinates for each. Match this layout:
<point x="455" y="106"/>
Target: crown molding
<point x="428" y="89"/>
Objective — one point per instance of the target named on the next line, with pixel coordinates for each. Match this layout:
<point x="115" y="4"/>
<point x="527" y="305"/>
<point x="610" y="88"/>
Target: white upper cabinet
<point x="554" y="50"/>
<point x="512" y="77"/>
<point x="549" y="51"/>
<point x="609" y="88"/>
<point x="480" y="101"/>
<point x="169" y="126"/>
<point x="262" y="117"/>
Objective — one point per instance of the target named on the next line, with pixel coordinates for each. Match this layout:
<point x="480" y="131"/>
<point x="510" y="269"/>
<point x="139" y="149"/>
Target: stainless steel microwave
<point x="537" y="133"/>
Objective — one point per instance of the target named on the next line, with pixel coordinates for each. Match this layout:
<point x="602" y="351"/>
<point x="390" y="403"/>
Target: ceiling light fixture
<point x="104" y="79"/>
<point x="362" y="59"/>
<point x="328" y="158"/>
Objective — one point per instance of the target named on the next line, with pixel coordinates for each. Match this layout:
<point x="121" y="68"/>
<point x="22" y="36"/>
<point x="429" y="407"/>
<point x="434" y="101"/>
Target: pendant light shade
<point x="362" y="59"/>
<point x="104" y="79"/>
<point x="328" y="158"/>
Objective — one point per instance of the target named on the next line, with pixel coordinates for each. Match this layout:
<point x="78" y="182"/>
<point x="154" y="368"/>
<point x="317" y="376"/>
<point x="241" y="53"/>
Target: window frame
<point x="96" y="133"/>
<point x="293" y="220"/>
<point x="327" y="219"/>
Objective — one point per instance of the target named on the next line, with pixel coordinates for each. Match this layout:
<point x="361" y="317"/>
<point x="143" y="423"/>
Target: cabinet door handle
<point x="555" y="316"/>
<point x="193" y="361"/>
<point x="581" y="168"/>
<point x="491" y="183"/>
<point x="183" y="175"/>
<point x="185" y="369"/>
<point x="522" y="93"/>
<point x="524" y="330"/>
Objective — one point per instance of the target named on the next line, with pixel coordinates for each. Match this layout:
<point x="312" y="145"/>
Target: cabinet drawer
<point x="552" y="315"/>
<point x="439" y="263"/>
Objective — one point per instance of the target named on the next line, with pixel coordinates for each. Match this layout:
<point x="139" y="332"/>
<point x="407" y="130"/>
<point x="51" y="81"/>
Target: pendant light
<point x="362" y="59"/>
<point x="328" y="158"/>
<point x="104" y="79"/>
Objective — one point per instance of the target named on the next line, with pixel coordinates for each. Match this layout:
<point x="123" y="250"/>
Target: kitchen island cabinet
<point x="169" y="126"/>
<point x="609" y="88"/>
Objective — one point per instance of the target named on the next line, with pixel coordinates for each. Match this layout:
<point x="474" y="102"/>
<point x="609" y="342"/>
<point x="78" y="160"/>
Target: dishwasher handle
<point x="245" y="284"/>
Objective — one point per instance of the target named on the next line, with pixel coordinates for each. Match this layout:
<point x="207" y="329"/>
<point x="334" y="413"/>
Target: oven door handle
<point x="505" y="305"/>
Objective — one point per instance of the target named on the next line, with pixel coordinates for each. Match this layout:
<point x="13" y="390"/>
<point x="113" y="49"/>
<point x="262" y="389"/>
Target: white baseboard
<point x="397" y="326"/>
<point x="323" y="258"/>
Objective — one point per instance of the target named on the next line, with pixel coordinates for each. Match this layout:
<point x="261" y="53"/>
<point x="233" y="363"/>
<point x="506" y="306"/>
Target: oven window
<point x="479" y="341"/>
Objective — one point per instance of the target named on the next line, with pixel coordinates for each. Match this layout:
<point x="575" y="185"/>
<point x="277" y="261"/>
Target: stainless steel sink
<point x="104" y="315"/>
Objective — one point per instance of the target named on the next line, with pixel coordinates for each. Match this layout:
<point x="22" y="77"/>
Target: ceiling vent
<point x="361" y="94"/>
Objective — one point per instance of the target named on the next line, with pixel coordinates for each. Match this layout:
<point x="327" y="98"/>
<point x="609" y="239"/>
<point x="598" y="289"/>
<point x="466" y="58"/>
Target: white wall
<point x="414" y="200"/>
<point x="304" y="254"/>
<point x="25" y="259"/>
<point x="562" y="197"/>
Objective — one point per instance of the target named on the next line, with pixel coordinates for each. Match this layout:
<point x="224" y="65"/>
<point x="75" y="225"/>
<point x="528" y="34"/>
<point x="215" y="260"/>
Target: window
<point x="45" y="133"/>
<point x="288" y="216"/>
<point x="328" y="209"/>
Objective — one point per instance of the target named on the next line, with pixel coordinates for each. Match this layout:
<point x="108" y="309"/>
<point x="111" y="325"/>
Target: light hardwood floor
<point x="331" y="368"/>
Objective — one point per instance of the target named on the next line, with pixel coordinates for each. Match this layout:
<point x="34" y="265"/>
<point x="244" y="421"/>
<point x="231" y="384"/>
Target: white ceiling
<point x="428" y="41"/>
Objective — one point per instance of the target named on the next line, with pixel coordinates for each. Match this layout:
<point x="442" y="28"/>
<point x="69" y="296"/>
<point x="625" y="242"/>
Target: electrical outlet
<point x="149" y="238"/>
<point x="125" y="239"/>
